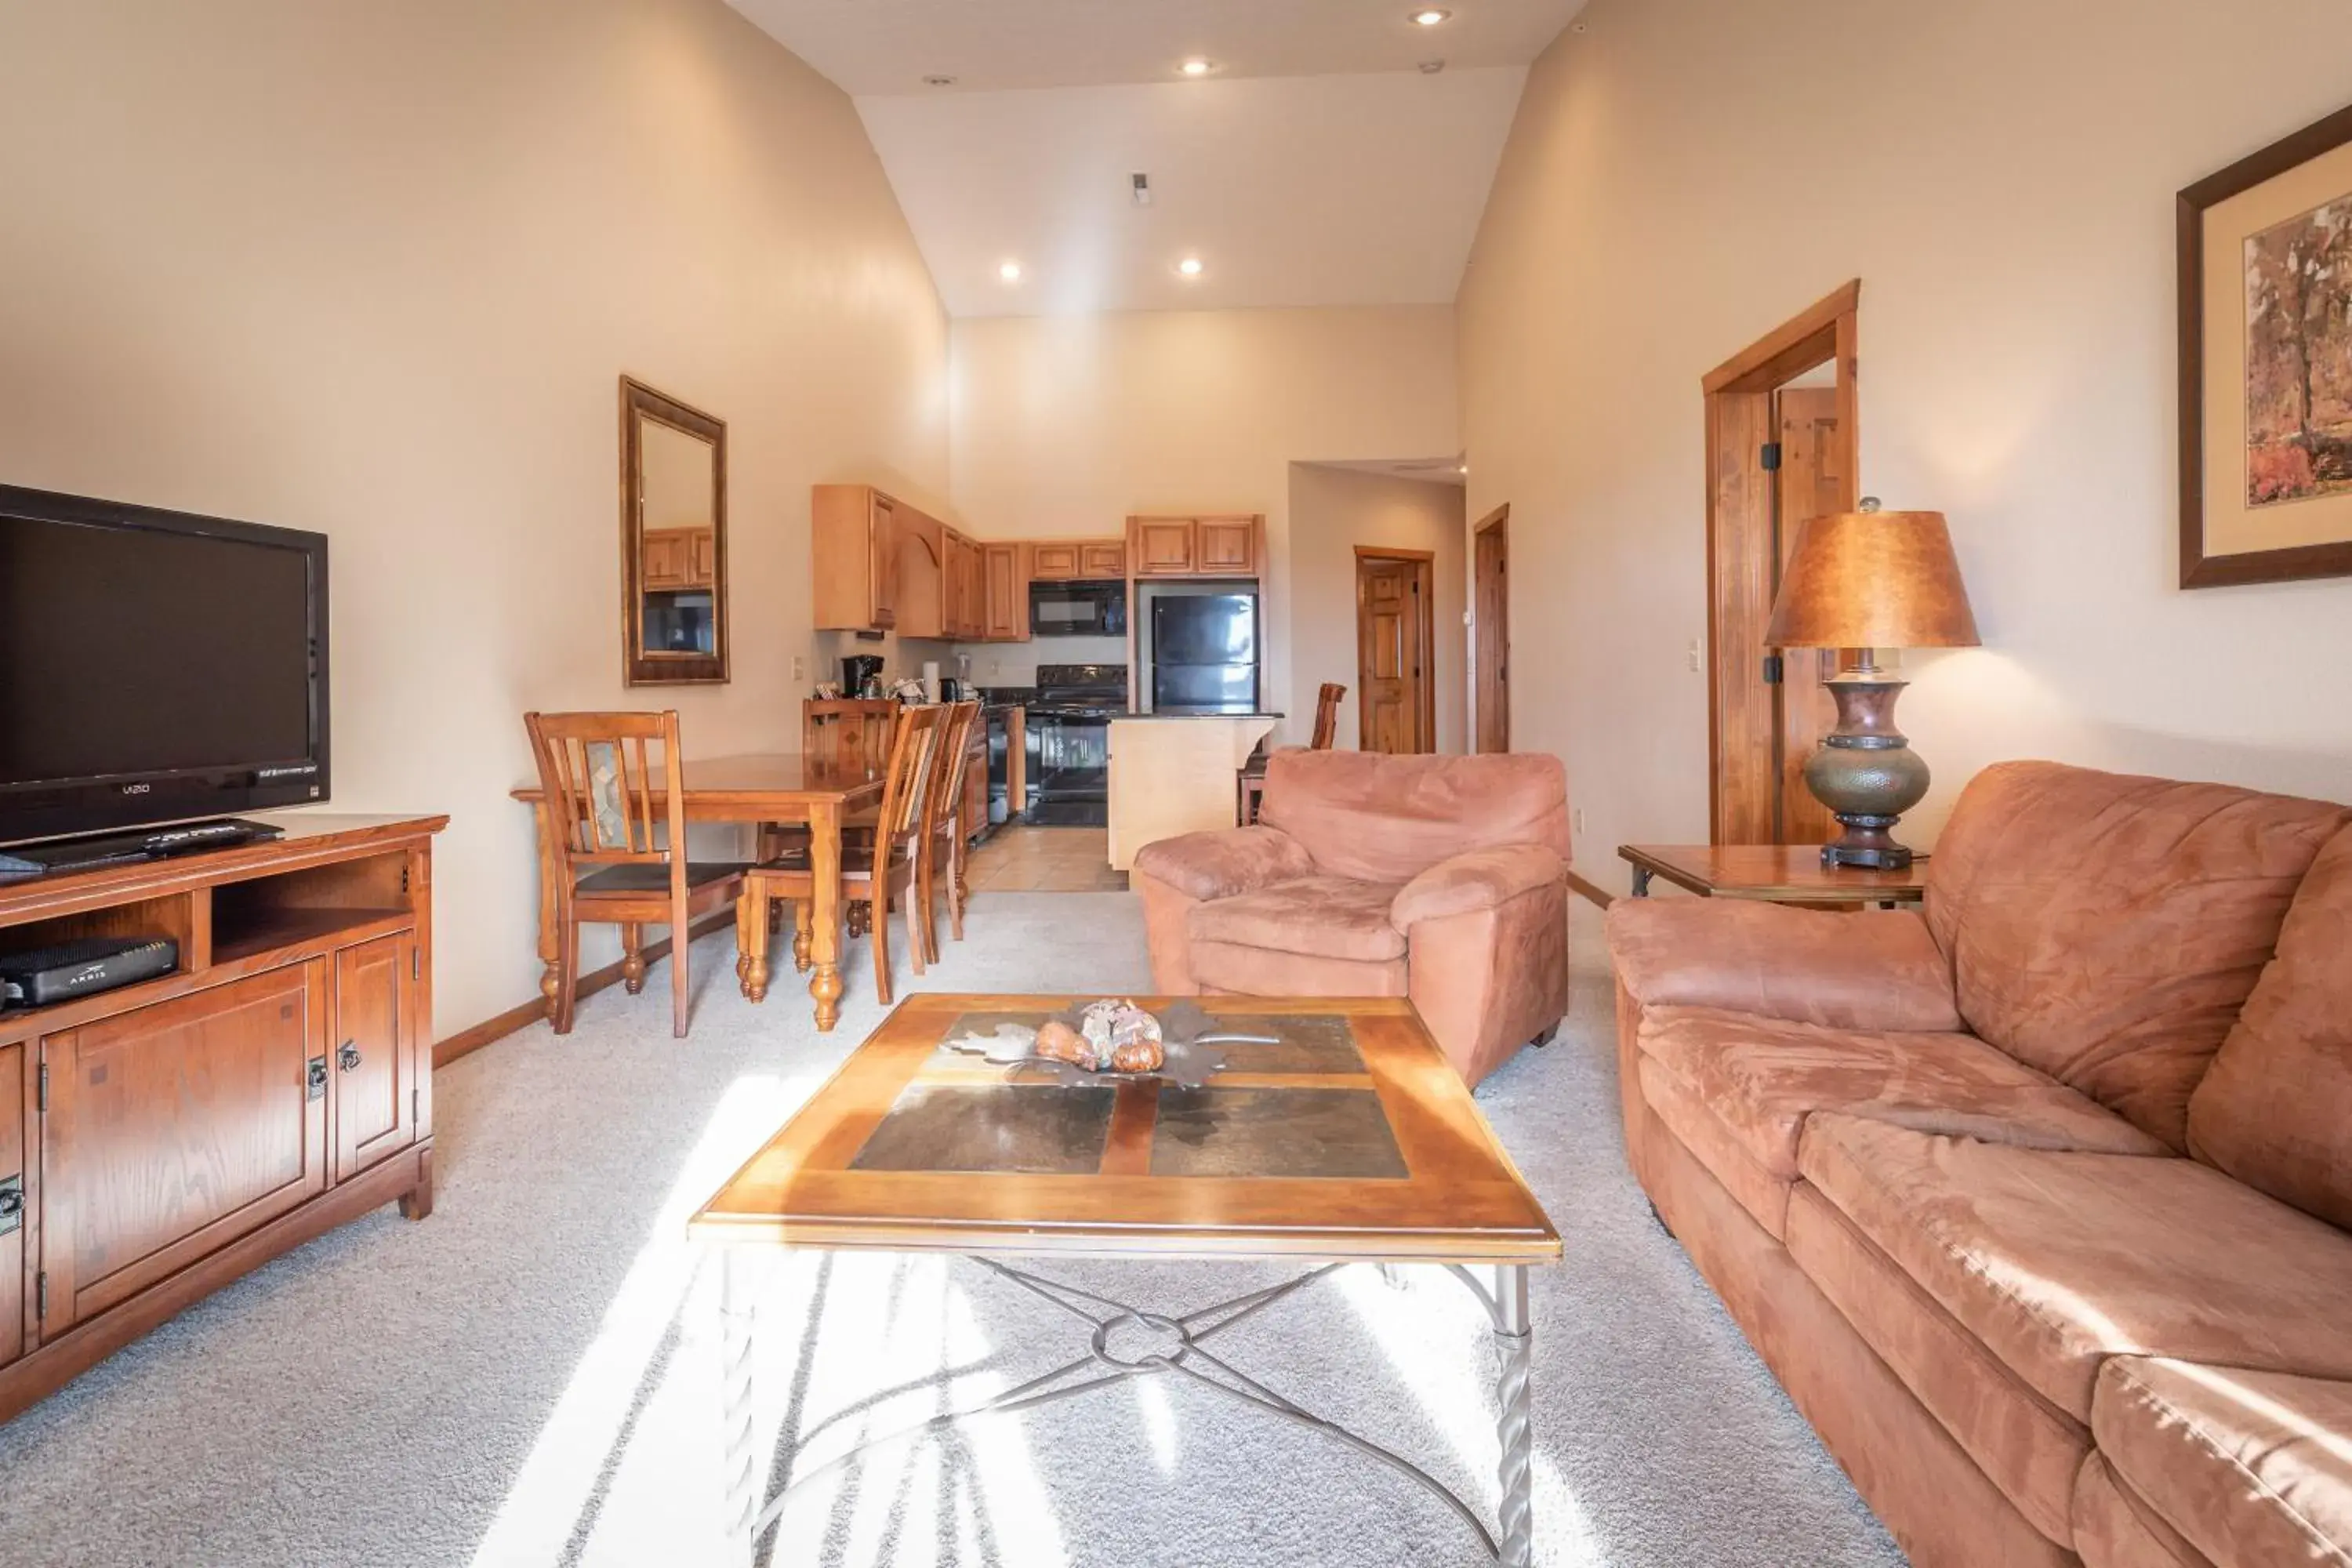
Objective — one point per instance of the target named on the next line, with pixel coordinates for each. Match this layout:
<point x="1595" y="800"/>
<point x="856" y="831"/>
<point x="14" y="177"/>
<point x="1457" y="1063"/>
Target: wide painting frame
<point x="2266" y="364"/>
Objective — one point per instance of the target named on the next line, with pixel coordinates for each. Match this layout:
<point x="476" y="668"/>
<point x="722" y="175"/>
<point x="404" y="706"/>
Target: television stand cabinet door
<point x="171" y="1135"/>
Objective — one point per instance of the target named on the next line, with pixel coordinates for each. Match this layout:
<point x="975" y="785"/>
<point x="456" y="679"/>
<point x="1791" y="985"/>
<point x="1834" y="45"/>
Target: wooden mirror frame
<point x="639" y="668"/>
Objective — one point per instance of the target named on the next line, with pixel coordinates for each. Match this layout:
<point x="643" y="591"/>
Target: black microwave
<point x="1077" y="609"/>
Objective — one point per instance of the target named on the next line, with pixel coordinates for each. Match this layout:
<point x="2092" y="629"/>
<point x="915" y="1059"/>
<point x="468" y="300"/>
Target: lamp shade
<point x="1872" y="579"/>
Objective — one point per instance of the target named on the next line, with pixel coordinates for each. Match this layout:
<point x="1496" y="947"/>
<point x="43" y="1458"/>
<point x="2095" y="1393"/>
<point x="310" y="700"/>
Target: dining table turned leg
<point x="824" y="921"/>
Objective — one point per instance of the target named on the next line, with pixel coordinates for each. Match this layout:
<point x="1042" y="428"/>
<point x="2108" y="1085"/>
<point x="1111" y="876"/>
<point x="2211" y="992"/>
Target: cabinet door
<point x="975" y="789"/>
<point x="975" y="591"/>
<point x="1104" y="558"/>
<point x="882" y="567"/>
<point x="15" y="1211"/>
<point x="666" y="560"/>
<point x="1229" y="548"/>
<point x="1008" y="596"/>
<point x="1165" y="547"/>
<point x="174" y="1129"/>
<point x="1053" y="563"/>
<point x="702" y="564"/>
<point x="375" y="1052"/>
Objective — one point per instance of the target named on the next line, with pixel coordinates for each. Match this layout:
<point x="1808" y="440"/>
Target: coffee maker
<point x="860" y="672"/>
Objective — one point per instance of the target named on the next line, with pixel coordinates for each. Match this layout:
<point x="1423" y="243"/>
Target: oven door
<point x="1077" y="609"/>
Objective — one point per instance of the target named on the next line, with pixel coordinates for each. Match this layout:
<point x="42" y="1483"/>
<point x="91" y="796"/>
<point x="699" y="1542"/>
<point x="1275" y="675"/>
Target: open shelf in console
<point x="174" y="916"/>
<point x="287" y="909"/>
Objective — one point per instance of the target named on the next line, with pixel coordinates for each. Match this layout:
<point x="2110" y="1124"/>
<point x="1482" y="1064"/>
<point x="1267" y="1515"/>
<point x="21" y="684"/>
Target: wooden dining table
<point x="751" y="787"/>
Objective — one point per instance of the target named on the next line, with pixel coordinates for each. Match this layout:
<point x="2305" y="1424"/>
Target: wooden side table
<point x="1775" y="873"/>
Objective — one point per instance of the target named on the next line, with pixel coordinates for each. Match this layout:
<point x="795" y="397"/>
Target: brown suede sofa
<point x="2037" y="1203"/>
<point x="1441" y="879"/>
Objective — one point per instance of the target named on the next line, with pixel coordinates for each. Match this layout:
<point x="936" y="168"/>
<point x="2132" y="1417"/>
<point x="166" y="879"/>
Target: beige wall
<point x="1066" y="424"/>
<point x="375" y="268"/>
<point x="1332" y="510"/>
<point x="1686" y="174"/>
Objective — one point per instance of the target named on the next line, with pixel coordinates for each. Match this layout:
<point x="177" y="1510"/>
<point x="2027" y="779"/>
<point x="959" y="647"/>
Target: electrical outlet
<point x="800" y="668"/>
<point x="1696" y="659"/>
<point x="996" y="667"/>
<point x="1576" y="820"/>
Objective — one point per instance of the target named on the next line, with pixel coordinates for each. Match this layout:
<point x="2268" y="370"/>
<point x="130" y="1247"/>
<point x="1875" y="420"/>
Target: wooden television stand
<point x="167" y="1136"/>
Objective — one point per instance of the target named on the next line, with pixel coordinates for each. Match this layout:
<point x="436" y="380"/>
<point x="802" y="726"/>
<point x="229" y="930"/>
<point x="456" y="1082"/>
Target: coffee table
<point x="1347" y="1140"/>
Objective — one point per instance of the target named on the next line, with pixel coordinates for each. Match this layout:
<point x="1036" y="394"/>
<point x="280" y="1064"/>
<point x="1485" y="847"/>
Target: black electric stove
<point x="1070" y="743"/>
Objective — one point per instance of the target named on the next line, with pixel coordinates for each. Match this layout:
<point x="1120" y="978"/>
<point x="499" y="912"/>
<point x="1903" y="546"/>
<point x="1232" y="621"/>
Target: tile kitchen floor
<point x="1046" y="860"/>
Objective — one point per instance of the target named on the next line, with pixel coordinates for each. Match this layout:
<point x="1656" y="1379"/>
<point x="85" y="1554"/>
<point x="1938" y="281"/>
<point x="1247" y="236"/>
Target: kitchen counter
<point x="1174" y="773"/>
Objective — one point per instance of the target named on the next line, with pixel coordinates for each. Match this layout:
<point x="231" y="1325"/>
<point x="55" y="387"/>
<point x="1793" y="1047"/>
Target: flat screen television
<point x="154" y="666"/>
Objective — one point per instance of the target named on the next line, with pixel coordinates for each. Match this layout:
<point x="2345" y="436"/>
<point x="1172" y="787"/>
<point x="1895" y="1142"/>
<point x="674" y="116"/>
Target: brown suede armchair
<point x="1441" y="879"/>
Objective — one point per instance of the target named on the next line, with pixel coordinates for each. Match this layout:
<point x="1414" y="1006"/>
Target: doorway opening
<point x="1782" y="444"/>
<point x="1490" y="635"/>
<point x="1396" y="647"/>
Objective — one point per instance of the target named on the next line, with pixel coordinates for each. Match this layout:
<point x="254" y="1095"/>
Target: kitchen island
<point x="1174" y="772"/>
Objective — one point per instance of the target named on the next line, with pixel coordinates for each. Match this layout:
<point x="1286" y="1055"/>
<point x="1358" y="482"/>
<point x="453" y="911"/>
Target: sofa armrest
<point x="1874" y="970"/>
<point x="1225" y="862"/>
<point x="1476" y="879"/>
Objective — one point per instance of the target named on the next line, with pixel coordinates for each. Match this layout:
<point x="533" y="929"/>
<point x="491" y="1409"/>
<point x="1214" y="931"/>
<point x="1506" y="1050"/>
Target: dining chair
<point x="845" y="731"/>
<point x="615" y="799"/>
<point x="871" y="873"/>
<point x="1249" y="781"/>
<point x="945" y="828"/>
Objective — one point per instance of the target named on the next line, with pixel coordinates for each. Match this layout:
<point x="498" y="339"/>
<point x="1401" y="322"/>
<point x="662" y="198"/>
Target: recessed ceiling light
<point x="1190" y="267"/>
<point x="1430" y="17"/>
<point x="939" y="82"/>
<point x="1010" y="271"/>
<point x="1197" y="67"/>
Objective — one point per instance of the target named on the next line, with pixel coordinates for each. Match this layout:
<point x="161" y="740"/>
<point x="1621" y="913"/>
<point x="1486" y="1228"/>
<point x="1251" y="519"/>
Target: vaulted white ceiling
<point x="1315" y="164"/>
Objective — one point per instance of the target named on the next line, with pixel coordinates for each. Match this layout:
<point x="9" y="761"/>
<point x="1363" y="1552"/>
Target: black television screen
<point x="154" y="666"/>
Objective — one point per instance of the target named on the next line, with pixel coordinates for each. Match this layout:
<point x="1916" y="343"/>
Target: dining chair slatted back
<point x="943" y="823"/>
<point x="1326" y="715"/>
<point x="852" y="731"/>
<point x="615" y="794"/>
<point x="906" y="793"/>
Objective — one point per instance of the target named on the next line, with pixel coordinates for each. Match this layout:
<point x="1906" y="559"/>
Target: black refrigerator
<point x="1204" y="653"/>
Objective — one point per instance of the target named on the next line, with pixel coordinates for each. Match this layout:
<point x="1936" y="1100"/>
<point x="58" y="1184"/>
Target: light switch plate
<point x="800" y="668"/>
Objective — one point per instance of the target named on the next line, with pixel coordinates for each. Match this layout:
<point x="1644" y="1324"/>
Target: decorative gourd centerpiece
<point x="1112" y="1036"/>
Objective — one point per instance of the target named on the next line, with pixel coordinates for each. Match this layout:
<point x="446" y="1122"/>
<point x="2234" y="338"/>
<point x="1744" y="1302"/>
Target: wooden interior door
<point x="1393" y="633"/>
<point x="1775" y="453"/>
<point x="174" y="1130"/>
<point x="376" y="1039"/>
<point x="1490" y="654"/>
<point x="16" y="1217"/>
<point x="1811" y="481"/>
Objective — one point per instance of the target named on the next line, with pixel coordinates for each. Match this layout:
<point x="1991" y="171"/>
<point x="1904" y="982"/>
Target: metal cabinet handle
<point x="316" y="1078"/>
<point x="348" y="1057"/>
<point x="11" y="1204"/>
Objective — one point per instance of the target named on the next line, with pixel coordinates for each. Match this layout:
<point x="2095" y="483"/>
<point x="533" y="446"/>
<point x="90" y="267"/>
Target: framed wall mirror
<point x="672" y="540"/>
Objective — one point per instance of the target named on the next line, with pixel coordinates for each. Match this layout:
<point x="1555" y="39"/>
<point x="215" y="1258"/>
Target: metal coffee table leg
<point x="735" y="1299"/>
<point x="1515" y="1339"/>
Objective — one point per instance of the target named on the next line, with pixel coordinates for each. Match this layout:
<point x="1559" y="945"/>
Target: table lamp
<point x="1867" y="580"/>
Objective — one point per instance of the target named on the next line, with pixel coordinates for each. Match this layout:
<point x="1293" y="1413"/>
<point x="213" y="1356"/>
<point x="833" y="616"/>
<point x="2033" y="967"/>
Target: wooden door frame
<point x="1500" y="518"/>
<point x="1742" y="562"/>
<point x="1424" y="562"/>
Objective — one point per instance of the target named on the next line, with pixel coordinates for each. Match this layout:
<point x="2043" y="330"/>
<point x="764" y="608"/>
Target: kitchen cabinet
<point x="855" y="538"/>
<point x="1007" y="593"/>
<point x="963" y="614"/>
<point x="680" y="559"/>
<point x="1053" y="563"/>
<point x="1196" y="546"/>
<point x="1066" y="560"/>
<point x="1103" y="558"/>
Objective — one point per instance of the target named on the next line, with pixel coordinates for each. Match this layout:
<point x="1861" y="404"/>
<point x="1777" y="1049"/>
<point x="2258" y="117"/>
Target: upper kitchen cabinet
<point x="1006" y="594"/>
<point x="1077" y="559"/>
<point x="856" y="541"/>
<point x="1195" y="546"/>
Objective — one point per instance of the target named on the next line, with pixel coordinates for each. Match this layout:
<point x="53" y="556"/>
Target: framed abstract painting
<point x="2266" y="365"/>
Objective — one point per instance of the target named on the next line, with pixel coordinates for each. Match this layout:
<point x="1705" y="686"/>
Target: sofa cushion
<point x="1323" y="917"/>
<point x="1383" y="819"/>
<point x="1746" y="1085"/>
<point x="2027" y="1446"/>
<point x="2251" y="1468"/>
<point x="2276" y="1108"/>
<point x="2107" y="929"/>
<point x="1263" y="971"/>
<point x="2057" y="1260"/>
<point x="1876" y="970"/>
<point x="2114" y="1529"/>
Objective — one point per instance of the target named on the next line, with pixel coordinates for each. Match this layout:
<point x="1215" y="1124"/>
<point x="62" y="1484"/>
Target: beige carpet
<point x="529" y="1377"/>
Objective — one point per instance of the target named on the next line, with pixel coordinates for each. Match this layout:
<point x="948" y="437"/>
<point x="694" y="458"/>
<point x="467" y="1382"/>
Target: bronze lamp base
<point x="1866" y="772"/>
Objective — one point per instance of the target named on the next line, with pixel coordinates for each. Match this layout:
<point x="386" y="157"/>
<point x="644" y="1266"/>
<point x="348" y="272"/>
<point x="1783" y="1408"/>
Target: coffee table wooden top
<point x="1352" y="1138"/>
<point x="1777" y="873"/>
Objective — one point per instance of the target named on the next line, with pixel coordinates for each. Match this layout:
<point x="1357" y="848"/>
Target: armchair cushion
<point x="1479" y="879"/>
<point x="1225" y="862"/>
<point x="1876" y="970"/>
<point x="1323" y="917"/>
